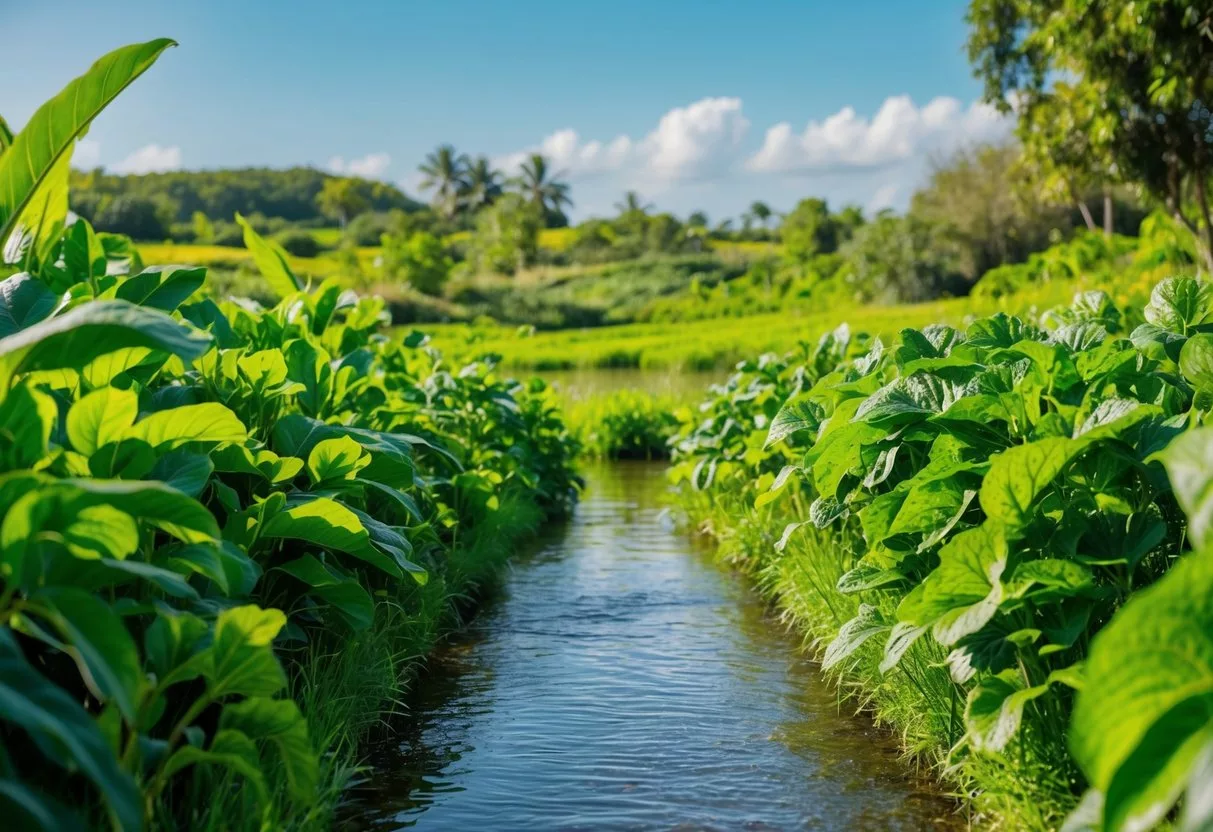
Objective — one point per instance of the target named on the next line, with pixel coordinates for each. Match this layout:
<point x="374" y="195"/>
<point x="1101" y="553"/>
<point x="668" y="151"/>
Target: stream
<point x="621" y="680"/>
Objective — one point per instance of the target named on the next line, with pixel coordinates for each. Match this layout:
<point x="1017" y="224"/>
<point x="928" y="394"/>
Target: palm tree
<point x="483" y="184"/>
<point x="445" y="173"/>
<point x="761" y="212"/>
<point x="541" y="187"/>
<point x="632" y="204"/>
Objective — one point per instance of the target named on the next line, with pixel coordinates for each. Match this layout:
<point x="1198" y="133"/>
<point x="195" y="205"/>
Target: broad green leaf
<point x="840" y="453"/>
<point x="1150" y="780"/>
<point x="103" y="370"/>
<point x="210" y="423"/>
<point x="785" y="538"/>
<point x="27" y="418"/>
<point x="1189" y="463"/>
<point x="41" y="222"/>
<point x="866" y="624"/>
<point x="265" y="464"/>
<point x="772" y="493"/>
<point x="263" y="369"/>
<point x="992" y="648"/>
<point x="230" y="750"/>
<point x="327" y="523"/>
<point x="99" y="531"/>
<point x="98" y="642"/>
<point x="929" y="505"/>
<point x="962" y="594"/>
<point x="101" y="417"/>
<point x="401" y="500"/>
<point x="1179" y="303"/>
<point x="909" y="398"/>
<point x="825" y="510"/>
<point x="172" y="639"/>
<point x="1196" y="360"/>
<point x="1156" y="653"/>
<point x="878" y="515"/>
<point x="271" y="261"/>
<point x="242" y="655"/>
<point x="24" y="301"/>
<point x="995" y="710"/>
<point x="308" y="365"/>
<point x="865" y="577"/>
<point x="162" y="287"/>
<point x="167" y="581"/>
<point x="998" y="331"/>
<point x="196" y="558"/>
<point x="83" y="255"/>
<point x="72" y="340"/>
<point x="901" y="639"/>
<point x="153" y="502"/>
<point x="795" y="415"/>
<point x="49" y="133"/>
<point x="279" y="722"/>
<point x="1019" y="475"/>
<point x="187" y="472"/>
<point x="1112" y="417"/>
<point x="344" y="594"/>
<point x="389" y="539"/>
<point x="391" y="453"/>
<point x="335" y="459"/>
<point x="30" y="702"/>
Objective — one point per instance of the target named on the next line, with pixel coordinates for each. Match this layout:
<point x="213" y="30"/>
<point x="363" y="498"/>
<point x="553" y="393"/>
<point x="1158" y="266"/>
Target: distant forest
<point x="162" y="199"/>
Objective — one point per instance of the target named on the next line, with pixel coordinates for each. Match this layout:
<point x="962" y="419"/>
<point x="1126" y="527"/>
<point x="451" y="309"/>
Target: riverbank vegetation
<point x="229" y="530"/>
<point x="953" y="516"/>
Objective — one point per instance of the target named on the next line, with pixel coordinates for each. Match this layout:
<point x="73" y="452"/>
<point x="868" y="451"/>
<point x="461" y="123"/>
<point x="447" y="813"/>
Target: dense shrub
<point x="299" y="243"/>
<point x="420" y="260"/>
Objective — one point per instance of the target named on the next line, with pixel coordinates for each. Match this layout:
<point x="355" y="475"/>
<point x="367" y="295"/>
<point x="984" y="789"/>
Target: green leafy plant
<point x="995" y="497"/>
<point x="193" y="489"/>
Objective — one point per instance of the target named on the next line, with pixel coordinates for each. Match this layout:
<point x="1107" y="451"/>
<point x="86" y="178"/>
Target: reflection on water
<point x="621" y="681"/>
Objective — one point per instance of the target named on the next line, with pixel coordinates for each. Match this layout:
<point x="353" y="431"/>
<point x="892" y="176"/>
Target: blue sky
<point x="695" y="104"/>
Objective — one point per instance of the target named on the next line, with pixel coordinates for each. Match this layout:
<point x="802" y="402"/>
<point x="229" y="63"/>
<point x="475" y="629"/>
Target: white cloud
<point x="370" y="166"/>
<point x="898" y="132"/>
<point x="693" y="142"/>
<point x="702" y="156"/>
<point x="150" y="159"/>
<point x="87" y="154"/>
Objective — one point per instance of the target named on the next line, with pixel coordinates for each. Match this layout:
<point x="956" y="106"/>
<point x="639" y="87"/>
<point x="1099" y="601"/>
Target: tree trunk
<point x="1202" y="199"/>
<point x="1107" y="213"/>
<point x="1086" y="214"/>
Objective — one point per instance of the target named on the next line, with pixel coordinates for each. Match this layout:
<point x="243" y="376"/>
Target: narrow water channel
<point x="622" y="681"/>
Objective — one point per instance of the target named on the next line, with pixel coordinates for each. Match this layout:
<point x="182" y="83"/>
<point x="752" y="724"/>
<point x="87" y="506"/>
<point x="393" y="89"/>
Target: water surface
<point x="622" y="681"/>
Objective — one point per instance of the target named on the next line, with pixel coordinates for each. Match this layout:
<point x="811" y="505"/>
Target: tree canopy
<point x="1135" y="78"/>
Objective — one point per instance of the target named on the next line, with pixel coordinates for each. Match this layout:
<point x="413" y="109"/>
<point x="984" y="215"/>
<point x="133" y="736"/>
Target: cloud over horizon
<point x="150" y="158"/>
<point x="702" y="146"/>
<point x="370" y="166"/>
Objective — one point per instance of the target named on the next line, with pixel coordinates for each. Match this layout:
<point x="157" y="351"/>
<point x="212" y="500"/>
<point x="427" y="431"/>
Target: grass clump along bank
<point x="624" y="424"/>
<point x="987" y="531"/>
<point x="227" y="529"/>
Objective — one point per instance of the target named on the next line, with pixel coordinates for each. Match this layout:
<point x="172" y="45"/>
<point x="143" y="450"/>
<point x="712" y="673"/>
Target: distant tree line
<point x="157" y="206"/>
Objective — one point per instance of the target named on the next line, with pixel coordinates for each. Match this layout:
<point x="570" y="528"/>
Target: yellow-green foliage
<point x="231" y="257"/>
<point x="624" y="424"/>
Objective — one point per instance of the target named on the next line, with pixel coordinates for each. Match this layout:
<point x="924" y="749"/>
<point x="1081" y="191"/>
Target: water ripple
<point x="622" y="682"/>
